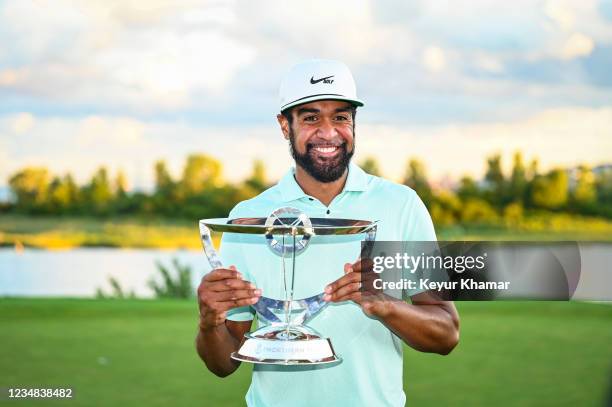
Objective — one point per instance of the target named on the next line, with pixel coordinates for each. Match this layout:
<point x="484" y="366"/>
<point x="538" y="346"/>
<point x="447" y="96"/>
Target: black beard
<point x="329" y="171"/>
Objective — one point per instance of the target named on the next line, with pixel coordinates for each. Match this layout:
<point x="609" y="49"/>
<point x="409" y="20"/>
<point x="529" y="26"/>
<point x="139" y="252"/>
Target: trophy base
<point x="286" y="345"/>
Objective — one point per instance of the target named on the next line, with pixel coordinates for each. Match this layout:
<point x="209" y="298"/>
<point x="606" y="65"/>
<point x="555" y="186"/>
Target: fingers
<point x="227" y="305"/>
<point x="230" y="285"/>
<point x="348" y="278"/>
<point x="360" y="266"/>
<point x="348" y="267"/>
<point x="351" y="286"/>
<point x="344" y="288"/>
<point x="237" y="295"/>
<point x="345" y="291"/>
<point x="222" y="274"/>
<point x="355" y="296"/>
<point x="220" y="291"/>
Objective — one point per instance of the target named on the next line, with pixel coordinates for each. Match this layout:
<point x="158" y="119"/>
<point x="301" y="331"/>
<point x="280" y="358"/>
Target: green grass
<point x="141" y="352"/>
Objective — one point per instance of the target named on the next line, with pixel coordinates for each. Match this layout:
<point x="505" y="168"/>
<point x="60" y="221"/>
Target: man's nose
<point x="327" y="129"/>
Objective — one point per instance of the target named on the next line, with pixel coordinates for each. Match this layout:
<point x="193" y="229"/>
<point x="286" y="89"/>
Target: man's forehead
<point x="324" y="105"/>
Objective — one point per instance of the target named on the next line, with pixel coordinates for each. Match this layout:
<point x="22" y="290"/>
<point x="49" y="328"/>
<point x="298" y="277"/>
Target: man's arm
<point x="427" y="325"/>
<point x="220" y="291"/>
<point x="215" y="345"/>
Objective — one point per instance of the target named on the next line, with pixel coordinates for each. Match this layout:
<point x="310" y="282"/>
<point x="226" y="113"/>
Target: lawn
<point x="62" y="233"/>
<point x="140" y="352"/>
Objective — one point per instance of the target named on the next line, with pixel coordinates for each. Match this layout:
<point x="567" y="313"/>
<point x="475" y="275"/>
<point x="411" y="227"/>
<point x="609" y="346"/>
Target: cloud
<point x="120" y="53"/>
<point x="561" y="14"/>
<point x="434" y="59"/>
<point x="23" y="122"/>
<point x="219" y="63"/>
<point x="577" y="45"/>
<point x="9" y="77"/>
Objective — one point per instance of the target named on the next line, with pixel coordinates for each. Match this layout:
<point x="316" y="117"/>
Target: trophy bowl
<point x="284" y="338"/>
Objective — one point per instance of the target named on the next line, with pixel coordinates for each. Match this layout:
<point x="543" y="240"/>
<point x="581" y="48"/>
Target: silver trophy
<point x="284" y="339"/>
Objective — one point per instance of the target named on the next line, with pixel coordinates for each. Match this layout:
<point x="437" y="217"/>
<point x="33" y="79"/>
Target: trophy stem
<point x="293" y="232"/>
<point x="289" y="292"/>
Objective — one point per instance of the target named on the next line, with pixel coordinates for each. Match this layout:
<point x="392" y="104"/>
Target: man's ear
<point x="284" y="125"/>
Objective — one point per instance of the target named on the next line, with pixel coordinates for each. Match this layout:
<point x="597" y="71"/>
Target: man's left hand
<point x="357" y="285"/>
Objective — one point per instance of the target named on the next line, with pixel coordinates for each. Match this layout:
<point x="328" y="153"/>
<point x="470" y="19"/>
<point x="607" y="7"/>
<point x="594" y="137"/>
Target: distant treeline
<point x="201" y="192"/>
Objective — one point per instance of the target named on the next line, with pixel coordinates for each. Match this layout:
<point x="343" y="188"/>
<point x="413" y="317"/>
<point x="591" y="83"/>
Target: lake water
<point x="79" y="272"/>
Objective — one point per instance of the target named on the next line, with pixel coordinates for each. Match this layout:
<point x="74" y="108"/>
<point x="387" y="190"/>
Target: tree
<point x="532" y="171"/>
<point x="201" y="172"/>
<point x="30" y="186"/>
<point x="120" y="186"/>
<point x="584" y="193"/>
<point x="168" y="196"/>
<point x="63" y="194"/>
<point x="98" y="192"/>
<point x="163" y="180"/>
<point x="468" y="188"/>
<point x="518" y="179"/>
<point x="478" y="211"/>
<point x="495" y="181"/>
<point x="550" y="191"/>
<point x="603" y="184"/>
<point x="257" y="180"/>
<point x="513" y="214"/>
<point x="416" y="178"/>
<point x="445" y="208"/>
<point x="370" y="165"/>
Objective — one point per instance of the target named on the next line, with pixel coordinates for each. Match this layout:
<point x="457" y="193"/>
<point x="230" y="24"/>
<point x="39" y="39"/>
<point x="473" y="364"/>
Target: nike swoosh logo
<point x="313" y="80"/>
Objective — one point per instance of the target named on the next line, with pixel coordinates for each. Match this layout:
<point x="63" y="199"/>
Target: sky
<point x="124" y="83"/>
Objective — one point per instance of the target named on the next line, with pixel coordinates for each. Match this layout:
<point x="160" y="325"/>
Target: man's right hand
<point x="220" y="291"/>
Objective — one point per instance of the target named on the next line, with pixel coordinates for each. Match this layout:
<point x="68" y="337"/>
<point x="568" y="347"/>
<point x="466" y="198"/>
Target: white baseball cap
<point x="317" y="79"/>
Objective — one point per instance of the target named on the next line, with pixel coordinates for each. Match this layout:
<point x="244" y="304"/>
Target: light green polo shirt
<point x="370" y="373"/>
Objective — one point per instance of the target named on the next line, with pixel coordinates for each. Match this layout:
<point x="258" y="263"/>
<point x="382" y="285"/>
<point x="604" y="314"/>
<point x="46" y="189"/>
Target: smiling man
<point x="317" y="118"/>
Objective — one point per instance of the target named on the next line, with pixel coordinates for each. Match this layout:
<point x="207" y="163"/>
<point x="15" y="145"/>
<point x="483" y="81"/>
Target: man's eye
<point x="310" y="118"/>
<point x="341" y="118"/>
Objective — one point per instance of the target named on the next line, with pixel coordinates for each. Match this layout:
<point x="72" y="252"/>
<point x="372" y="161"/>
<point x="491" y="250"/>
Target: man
<point x="318" y="107"/>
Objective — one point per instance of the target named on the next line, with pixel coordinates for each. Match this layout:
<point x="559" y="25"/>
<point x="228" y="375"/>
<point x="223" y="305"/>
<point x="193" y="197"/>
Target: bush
<point x="478" y="211"/>
<point x="445" y="209"/>
<point x="173" y="287"/>
<point x="118" y="291"/>
<point x="513" y="214"/>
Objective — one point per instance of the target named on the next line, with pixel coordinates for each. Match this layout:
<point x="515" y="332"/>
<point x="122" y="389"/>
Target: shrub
<point x="478" y="211"/>
<point x="172" y="287"/>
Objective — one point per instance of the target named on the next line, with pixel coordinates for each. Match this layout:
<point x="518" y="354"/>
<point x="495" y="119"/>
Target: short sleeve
<point x="420" y="225"/>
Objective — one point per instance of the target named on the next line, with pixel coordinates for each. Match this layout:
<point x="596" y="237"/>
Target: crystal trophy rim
<point x="320" y="226"/>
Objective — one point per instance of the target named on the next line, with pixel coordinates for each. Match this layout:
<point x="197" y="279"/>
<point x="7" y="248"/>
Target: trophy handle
<point x="209" y="248"/>
<point x="215" y="263"/>
<point x="366" y="249"/>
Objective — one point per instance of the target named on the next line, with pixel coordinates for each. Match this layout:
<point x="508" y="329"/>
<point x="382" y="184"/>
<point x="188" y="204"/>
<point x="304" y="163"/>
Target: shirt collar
<point x="290" y="190"/>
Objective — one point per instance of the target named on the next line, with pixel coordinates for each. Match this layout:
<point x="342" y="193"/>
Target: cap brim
<point x="313" y="98"/>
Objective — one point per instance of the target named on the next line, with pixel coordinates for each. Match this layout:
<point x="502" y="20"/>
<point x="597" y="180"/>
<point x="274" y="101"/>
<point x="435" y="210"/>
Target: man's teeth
<point x="326" y="149"/>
